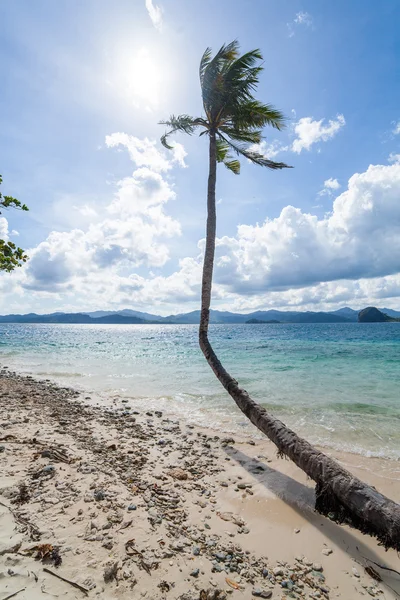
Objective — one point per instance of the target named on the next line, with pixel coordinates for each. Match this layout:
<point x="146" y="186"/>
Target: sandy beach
<point x="119" y="504"/>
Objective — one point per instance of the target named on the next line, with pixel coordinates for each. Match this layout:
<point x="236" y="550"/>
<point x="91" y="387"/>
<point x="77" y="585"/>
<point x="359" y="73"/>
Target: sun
<point x="141" y="78"/>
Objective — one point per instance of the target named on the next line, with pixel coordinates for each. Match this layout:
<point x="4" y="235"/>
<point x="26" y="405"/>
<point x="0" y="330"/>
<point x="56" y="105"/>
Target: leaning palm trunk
<point x="233" y="121"/>
<point x="338" y="493"/>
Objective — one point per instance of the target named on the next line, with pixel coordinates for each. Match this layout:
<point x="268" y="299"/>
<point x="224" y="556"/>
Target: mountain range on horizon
<point x="129" y="316"/>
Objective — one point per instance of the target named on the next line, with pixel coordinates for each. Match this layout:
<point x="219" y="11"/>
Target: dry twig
<point x="73" y="583"/>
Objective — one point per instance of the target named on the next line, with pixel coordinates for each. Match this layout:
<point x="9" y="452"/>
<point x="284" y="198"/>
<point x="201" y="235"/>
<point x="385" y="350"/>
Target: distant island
<point x="374" y="315"/>
<point x="134" y="317"/>
<point x="259" y="321"/>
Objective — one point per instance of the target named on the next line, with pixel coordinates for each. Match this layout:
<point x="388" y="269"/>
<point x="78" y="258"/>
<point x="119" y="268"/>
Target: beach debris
<point x="178" y="473"/>
<point x="125" y="524"/>
<point x="145" y="566"/>
<point x="45" y="553"/>
<point x="110" y="572"/>
<point x="47" y="471"/>
<point x="131" y="550"/>
<point x="22" y="496"/>
<point x="73" y="583"/>
<point x="56" y="454"/>
<point x="212" y="595"/>
<point x="259" y="593"/>
<point x="99" y="495"/>
<point x="232" y="583"/>
<point x="14" y="594"/>
<point x="164" y="586"/>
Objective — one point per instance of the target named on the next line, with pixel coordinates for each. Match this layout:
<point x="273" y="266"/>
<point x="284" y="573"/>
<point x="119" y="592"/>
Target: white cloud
<point x="155" y="14"/>
<point x="309" y="132"/>
<point x="360" y="238"/>
<point x="396" y="129"/>
<point x="301" y="19"/>
<point x="144" y="152"/>
<point x="332" y="184"/>
<point x="3" y="229"/>
<point x="132" y="231"/>
<point x="269" y="150"/>
<point x="296" y="260"/>
<point x="394" y="157"/>
<point x="329" y="186"/>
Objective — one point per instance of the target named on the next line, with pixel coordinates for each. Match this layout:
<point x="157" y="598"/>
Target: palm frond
<point x="254" y="157"/>
<point x="184" y="123"/>
<point x="205" y="61"/>
<point x="222" y="150"/>
<point x="238" y="68"/>
<point x="255" y="114"/>
<point x="252" y="136"/>
<point x="210" y="75"/>
<point x="224" y="157"/>
<point x="233" y="165"/>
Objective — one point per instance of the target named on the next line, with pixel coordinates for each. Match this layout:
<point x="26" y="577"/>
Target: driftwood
<point x="339" y="494"/>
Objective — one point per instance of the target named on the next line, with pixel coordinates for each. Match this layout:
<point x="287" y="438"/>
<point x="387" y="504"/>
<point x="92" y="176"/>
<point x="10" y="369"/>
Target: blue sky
<point x="117" y="222"/>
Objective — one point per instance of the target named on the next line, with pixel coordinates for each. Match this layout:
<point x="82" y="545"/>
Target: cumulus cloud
<point x="303" y="19"/>
<point x="144" y="152"/>
<point x="396" y="129"/>
<point x="297" y="260"/>
<point x="133" y="231"/>
<point x="309" y="132"/>
<point x="155" y="14"/>
<point x="269" y="150"/>
<point x="359" y="239"/>
<point x="330" y="185"/>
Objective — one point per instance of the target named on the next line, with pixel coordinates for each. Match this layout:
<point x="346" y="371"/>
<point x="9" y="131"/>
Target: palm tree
<point x="233" y="121"/>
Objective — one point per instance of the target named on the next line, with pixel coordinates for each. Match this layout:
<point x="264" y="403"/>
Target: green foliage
<point x="10" y="255"/>
<point x="232" y="114"/>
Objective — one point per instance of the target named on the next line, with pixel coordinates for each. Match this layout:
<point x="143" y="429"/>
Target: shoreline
<point x="205" y="513"/>
<point x="121" y="399"/>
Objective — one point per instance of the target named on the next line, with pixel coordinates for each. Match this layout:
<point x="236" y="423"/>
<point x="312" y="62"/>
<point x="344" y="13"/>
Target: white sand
<point x="273" y="519"/>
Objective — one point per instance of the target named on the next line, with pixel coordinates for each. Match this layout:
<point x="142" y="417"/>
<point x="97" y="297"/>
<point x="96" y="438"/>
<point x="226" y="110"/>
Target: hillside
<point x="374" y="315"/>
<point x="132" y="317"/>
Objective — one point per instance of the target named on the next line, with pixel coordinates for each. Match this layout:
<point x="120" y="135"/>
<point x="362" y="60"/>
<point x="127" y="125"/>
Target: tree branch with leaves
<point x="11" y="256"/>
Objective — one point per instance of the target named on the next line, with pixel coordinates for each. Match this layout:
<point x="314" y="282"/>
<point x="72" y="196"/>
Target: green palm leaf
<point x="232" y="114"/>
<point x="254" y="157"/>
<point x="183" y="123"/>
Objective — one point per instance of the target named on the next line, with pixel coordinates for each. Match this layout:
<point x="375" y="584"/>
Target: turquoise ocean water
<point x="337" y="384"/>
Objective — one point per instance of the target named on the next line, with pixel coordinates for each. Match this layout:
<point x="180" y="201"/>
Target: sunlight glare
<point x="142" y="78"/>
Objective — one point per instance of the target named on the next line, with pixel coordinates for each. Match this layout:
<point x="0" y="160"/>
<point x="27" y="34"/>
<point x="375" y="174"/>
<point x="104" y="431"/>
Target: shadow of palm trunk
<point x="301" y="499"/>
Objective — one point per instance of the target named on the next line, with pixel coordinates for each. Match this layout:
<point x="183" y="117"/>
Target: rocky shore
<point x="111" y="503"/>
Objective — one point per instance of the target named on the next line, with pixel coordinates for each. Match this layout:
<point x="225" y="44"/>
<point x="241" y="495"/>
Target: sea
<point x="335" y="384"/>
